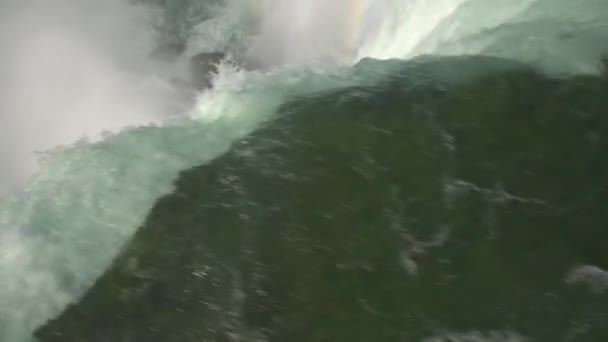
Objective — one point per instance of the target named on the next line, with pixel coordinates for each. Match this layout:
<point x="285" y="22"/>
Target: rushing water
<point x="94" y="129"/>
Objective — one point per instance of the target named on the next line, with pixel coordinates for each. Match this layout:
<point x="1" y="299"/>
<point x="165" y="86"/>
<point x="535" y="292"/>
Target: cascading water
<point x="558" y="36"/>
<point x="77" y="69"/>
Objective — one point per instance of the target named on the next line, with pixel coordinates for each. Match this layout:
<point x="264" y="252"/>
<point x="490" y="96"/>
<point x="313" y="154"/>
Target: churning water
<point x="94" y="127"/>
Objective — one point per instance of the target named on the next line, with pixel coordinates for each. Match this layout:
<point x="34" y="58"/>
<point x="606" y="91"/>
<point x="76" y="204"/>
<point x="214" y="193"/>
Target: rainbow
<point x="353" y="27"/>
<point x="349" y="30"/>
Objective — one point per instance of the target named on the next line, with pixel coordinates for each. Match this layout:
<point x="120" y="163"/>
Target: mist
<point x="304" y="32"/>
<point x="73" y="70"/>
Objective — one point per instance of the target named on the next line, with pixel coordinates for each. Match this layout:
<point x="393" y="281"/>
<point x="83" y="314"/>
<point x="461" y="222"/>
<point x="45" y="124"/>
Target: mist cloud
<point x="304" y="32"/>
<point x="73" y="69"/>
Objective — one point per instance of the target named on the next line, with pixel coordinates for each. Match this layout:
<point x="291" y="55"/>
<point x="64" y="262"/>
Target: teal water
<point x="488" y="227"/>
<point x="444" y="213"/>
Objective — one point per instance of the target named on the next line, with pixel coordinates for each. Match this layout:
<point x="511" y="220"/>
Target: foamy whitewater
<point x="93" y="128"/>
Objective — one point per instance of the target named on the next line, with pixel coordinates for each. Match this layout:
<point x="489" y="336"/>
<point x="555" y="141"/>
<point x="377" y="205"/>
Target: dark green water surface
<point x="408" y="210"/>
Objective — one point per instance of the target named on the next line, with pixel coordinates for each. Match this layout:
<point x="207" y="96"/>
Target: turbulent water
<point x="94" y="128"/>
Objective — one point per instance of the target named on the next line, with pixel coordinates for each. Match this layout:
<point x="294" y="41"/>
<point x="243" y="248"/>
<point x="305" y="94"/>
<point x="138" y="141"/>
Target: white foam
<point x="477" y="336"/>
<point x="594" y="278"/>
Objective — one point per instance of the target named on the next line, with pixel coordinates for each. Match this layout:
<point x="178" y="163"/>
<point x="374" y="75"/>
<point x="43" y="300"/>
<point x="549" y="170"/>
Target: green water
<point x="452" y="189"/>
<point x="416" y="208"/>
